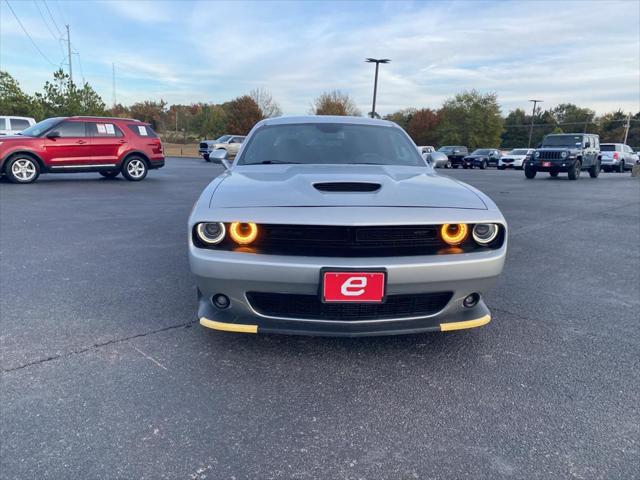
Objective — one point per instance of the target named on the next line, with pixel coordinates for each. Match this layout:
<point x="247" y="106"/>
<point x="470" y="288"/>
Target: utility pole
<point x="375" y="82"/>
<point x="113" y="73"/>
<point x="69" y="54"/>
<point x="533" y="115"/>
<point x="626" y="129"/>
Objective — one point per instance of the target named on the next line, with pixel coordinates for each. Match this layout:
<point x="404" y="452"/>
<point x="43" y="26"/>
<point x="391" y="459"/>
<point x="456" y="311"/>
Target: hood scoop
<point x="341" y="187"/>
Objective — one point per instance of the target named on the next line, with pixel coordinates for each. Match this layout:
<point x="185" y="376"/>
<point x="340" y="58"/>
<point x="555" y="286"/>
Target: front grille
<point x="507" y="160"/>
<point x="204" y="146"/>
<point x="549" y="155"/>
<point x="346" y="241"/>
<point x="286" y="305"/>
<point x="347" y="187"/>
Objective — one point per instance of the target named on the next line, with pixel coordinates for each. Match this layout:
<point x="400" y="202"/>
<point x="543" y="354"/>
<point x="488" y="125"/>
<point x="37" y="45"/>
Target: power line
<point x="29" y="36"/>
<point x="45" y="21"/>
<point x="52" y="19"/>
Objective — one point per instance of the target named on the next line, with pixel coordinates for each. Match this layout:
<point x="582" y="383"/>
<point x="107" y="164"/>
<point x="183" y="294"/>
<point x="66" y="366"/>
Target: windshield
<point x="607" y="147"/>
<point x="570" y="141"/>
<point x="223" y="139"/>
<point x="519" y="151"/>
<point x="481" y="151"/>
<point x="330" y="143"/>
<point x="446" y="149"/>
<point x="40" y="127"/>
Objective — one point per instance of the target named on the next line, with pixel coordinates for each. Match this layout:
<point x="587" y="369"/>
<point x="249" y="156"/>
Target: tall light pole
<point x="533" y="114"/>
<point x="377" y="61"/>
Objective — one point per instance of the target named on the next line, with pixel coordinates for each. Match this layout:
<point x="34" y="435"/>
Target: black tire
<point x="455" y="166"/>
<point x="134" y="168"/>
<point x="621" y="167"/>
<point x="22" y="169"/>
<point x="574" y="171"/>
<point x="206" y="157"/>
<point x="447" y="165"/>
<point x="501" y="167"/>
<point x="110" y="173"/>
<point x="554" y="174"/>
<point x="465" y="166"/>
<point x="530" y="173"/>
<point x="594" y="170"/>
<point x="483" y="165"/>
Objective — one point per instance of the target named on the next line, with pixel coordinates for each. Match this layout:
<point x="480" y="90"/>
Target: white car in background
<point x="515" y="158"/>
<point x="11" y="125"/>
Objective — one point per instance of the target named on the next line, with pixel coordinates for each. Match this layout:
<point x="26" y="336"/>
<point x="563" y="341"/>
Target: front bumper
<point x="234" y="274"/>
<point x="551" y="165"/>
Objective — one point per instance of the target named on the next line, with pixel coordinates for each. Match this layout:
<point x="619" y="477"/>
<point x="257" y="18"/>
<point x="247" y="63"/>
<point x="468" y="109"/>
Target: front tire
<point x="455" y="166"/>
<point x="621" y="167"/>
<point x="501" y="167"/>
<point x="134" y="169"/>
<point x="594" y="170"/>
<point x="574" y="171"/>
<point x="483" y="165"/>
<point x="22" y="169"/>
<point x="447" y="165"/>
<point x="530" y="173"/>
<point x="110" y="173"/>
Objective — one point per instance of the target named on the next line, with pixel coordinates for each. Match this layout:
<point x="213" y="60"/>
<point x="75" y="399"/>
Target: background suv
<point x="515" y="158"/>
<point x="483" y="158"/>
<point x="455" y="153"/>
<point x="230" y="143"/>
<point x="109" y="146"/>
<point x="617" y="157"/>
<point x="12" y="125"/>
<point x="566" y="152"/>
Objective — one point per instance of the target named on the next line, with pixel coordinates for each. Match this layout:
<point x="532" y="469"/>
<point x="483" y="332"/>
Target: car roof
<point x="292" y="120"/>
<point x="81" y="117"/>
<point x="16" y="116"/>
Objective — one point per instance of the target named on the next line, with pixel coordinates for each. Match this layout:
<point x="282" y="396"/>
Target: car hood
<point x="293" y="186"/>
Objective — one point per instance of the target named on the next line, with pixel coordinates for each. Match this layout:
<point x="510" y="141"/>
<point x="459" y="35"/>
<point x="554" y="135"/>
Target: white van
<point x="10" y="125"/>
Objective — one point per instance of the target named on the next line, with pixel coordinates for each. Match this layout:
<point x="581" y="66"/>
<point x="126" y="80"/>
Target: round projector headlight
<point x="536" y="155"/>
<point x="211" y="233"/>
<point x="485" y="233"/>
<point x="243" y="233"/>
<point x="454" y="233"/>
<point x="563" y="155"/>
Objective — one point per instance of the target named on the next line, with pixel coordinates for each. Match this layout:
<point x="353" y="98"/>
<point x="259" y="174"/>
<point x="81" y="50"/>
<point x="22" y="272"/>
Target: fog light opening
<point x="221" y="301"/>
<point x="471" y="301"/>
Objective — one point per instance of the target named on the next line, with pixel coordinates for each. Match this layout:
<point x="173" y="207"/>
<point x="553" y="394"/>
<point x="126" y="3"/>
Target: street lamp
<point x="375" y="83"/>
<point x="533" y="114"/>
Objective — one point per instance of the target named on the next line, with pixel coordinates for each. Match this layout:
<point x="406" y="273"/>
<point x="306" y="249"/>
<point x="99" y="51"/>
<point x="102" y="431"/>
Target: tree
<point x="402" y="117"/>
<point x="242" y="114"/>
<point x="14" y="101"/>
<point x="422" y="127"/>
<point x="63" y="98"/>
<point x="151" y="112"/>
<point x="471" y="119"/>
<point x="268" y="106"/>
<point x="516" y="129"/>
<point x="335" y="103"/>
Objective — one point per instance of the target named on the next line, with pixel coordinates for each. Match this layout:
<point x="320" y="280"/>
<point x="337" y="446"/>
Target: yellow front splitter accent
<point x="228" y="327"/>
<point x="478" y="322"/>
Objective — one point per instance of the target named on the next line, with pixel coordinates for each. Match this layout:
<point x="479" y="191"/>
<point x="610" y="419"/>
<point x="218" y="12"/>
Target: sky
<point x="582" y="52"/>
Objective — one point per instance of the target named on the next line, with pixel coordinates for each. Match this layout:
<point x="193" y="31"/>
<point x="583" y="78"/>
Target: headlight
<point x="485" y="233"/>
<point x="536" y="155"/>
<point x="454" y="233"/>
<point x="563" y="155"/>
<point x="211" y="233"/>
<point x="243" y="233"/>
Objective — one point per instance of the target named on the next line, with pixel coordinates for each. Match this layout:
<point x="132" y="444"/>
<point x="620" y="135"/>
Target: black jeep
<point x="455" y="154"/>
<point x="566" y="152"/>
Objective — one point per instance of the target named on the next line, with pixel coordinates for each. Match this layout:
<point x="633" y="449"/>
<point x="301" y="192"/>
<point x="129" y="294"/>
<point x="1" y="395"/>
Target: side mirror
<point x="53" y="134"/>
<point x="218" y="155"/>
<point x="587" y="145"/>
<point x="427" y="157"/>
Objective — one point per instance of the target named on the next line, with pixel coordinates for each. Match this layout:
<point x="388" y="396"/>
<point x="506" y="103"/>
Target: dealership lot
<point x="105" y="373"/>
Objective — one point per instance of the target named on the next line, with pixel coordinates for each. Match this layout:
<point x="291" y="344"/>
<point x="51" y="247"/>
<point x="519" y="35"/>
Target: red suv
<point x="109" y="146"/>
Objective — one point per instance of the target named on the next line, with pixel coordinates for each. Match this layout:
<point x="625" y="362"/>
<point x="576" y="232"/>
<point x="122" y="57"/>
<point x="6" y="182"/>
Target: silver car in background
<point x="617" y="157"/>
<point x="438" y="160"/>
<point x="337" y="226"/>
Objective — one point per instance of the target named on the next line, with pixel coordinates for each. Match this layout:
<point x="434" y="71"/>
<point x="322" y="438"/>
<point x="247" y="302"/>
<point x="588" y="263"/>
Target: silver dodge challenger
<point x="337" y="226"/>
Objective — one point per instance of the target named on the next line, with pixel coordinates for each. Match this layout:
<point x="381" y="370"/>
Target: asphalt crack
<point x="95" y="346"/>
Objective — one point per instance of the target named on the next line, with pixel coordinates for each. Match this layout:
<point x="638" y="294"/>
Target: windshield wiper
<point x="270" y="162"/>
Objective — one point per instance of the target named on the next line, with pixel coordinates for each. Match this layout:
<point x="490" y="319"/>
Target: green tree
<point x="151" y="112"/>
<point x="14" y="101"/>
<point x="572" y="118"/>
<point x="62" y="97"/>
<point x="402" y="117"/>
<point x="516" y="129"/>
<point x="472" y="119"/>
<point x="335" y="103"/>
<point x="242" y="114"/>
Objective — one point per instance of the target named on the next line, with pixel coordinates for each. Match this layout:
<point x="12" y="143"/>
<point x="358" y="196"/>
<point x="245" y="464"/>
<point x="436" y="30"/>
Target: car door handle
<point x="81" y="142"/>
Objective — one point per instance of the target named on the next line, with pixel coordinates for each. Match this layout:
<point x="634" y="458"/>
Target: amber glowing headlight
<point x="485" y="233"/>
<point x="454" y="233"/>
<point x="243" y="233"/>
<point x="211" y="233"/>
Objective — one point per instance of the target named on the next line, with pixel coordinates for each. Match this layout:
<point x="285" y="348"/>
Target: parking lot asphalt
<point x="105" y="373"/>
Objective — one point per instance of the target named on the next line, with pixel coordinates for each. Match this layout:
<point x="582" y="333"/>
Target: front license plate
<point x="352" y="286"/>
<point x="546" y="164"/>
